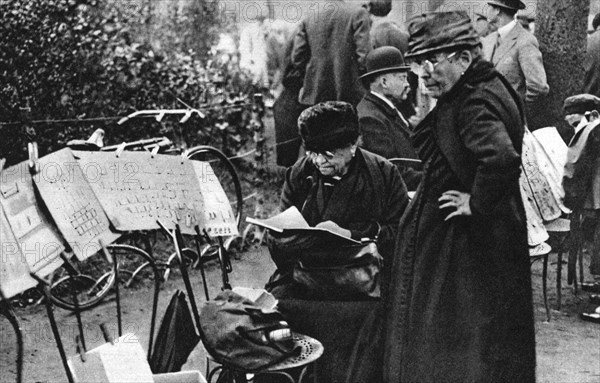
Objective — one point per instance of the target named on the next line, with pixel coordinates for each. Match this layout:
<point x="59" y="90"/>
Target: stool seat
<point x="558" y="225"/>
<point x="540" y="250"/>
<point x="311" y="350"/>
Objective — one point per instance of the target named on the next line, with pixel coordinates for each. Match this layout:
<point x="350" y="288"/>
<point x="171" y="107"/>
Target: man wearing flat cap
<point x="459" y="307"/>
<point x="515" y="52"/>
<point x="581" y="180"/>
<point x="384" y="129"/>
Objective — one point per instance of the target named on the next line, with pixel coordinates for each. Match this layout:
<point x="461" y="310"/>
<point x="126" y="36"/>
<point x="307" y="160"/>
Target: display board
<point x="38" y="238"/>
<point x="73" y="204"/>
<point x="14" y="271"/>
<point x="219" y="219"/>
<point x="136" y="189"/>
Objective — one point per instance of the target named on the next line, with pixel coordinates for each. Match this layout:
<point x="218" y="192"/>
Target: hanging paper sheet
<point x="137" y="189"/>
<point x="73" y="204"/>
<point x="218" y="215"/>
<point x="14" y="271"/>
<point x="38" y="239"/>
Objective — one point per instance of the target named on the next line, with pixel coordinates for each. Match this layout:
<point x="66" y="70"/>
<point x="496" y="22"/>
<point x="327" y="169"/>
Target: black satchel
<point x="344" y="274"/>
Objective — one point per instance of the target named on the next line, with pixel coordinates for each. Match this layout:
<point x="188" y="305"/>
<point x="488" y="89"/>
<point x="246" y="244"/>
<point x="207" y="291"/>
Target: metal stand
<point x="43" y="286"/>
<point x="7" y="310"/>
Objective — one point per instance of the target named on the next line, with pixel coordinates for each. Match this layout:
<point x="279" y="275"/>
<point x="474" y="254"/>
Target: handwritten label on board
<point x="137" y="189"/>
<point x="73" y="204"/>
<point x="38" y="239"/>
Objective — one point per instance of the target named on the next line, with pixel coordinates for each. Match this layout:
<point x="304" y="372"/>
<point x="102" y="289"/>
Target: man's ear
<point x="594" y="115"/>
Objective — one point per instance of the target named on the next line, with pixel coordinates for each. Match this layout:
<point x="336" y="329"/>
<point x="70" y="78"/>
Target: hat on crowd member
<point x="510" y="4"/>
<point x="389" y="34"/>
<point x="328" y="125"/>
<point x="384" y="60"/>
<point x="437" y="31"/>
<point x="379" y="8"/>
<point x="581" y="104"/>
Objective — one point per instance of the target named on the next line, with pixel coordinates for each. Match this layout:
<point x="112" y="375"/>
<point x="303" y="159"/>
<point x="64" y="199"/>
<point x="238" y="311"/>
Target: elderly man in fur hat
<point x="581" y="182"/>
<point x="459" y="307"/>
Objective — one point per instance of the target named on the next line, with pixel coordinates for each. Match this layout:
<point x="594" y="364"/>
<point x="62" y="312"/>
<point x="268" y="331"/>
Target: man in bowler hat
<point x="384" y="129"/>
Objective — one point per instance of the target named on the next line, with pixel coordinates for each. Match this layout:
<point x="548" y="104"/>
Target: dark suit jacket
<point x="385" y="133"/>
<point x="518" y="58"/>
<point x="330" y="49"/>
<point x="591" y="65"/>
<point x="581" y="179"/>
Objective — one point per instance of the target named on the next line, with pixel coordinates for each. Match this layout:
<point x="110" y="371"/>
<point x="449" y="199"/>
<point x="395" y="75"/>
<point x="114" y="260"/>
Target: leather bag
<point x="345" y="274"/>
<point x="235" y="332"/>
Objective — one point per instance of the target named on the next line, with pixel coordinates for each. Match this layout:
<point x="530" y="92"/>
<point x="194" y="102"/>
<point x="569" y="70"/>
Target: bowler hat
<point x="384" y="60"/>
<point x="510" y="4"/>
<point x="436" y="31"/>
<point x="328" y="125"/>
<point x="581" y="103"/>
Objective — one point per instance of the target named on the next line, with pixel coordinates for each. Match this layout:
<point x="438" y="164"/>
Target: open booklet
<point x="291" y="221"/>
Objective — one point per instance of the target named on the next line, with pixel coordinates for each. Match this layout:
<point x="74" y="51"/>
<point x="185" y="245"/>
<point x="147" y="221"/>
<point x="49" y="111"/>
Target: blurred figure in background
<point x="591" y="62"/>
<point x="278" y="35"/>
<point x="389" y="33"/>
<point x="481" y="24"/>
<point x="253" y="51"/>
<point x="287" y="109"/>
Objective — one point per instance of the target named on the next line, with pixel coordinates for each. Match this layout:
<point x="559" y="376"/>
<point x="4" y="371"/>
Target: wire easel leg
<point x="9" y="313"/>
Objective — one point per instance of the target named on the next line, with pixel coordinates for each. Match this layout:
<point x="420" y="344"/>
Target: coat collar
<point x="392" y="113"/>
<point x="508" y="42"/>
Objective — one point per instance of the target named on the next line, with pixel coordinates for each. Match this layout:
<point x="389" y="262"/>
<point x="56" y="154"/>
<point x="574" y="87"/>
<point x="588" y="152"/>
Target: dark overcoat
<point x="349" y="330"/>
<point x="330" y="49"/>
<point x="591" y="65"/>
<point x="386" y="133"/>
<point x="459" y="307"/>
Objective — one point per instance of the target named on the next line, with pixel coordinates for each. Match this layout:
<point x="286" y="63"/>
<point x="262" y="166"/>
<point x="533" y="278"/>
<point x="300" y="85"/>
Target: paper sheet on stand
<point x="73" y="204"/>
<point x="136" y="189"/>
<point x="14" y="271"/>
<point x="38" y="239"/>
<point x="219" y="219"/>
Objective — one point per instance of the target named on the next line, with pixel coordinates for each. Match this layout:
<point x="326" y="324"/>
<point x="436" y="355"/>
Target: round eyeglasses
<point x="325" y="154"/>
<point x="420" y="66"/>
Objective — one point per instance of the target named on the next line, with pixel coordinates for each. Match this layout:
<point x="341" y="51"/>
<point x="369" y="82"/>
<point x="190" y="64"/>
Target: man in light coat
<point x="515" y="52"/>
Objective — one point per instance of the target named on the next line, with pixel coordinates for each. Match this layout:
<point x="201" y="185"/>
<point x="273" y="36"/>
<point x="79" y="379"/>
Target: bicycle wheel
<point x="95" y="277"/>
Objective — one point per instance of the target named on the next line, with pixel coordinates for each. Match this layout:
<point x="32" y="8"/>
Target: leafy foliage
<point x="73" y="59"/>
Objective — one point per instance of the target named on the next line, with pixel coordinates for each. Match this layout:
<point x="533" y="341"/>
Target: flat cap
<point x="581" y="103"/>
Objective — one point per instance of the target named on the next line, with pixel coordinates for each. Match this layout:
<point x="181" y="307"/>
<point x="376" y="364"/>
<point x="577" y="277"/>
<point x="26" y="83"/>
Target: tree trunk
<point x="560" y="27"/>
